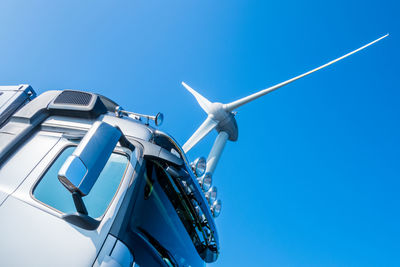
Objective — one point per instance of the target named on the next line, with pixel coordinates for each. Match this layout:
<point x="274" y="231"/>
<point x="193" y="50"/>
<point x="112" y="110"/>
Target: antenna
<point x="222" y="116"/>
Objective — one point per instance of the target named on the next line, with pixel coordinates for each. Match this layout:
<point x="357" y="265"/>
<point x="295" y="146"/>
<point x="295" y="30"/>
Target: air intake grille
<point x="73" y="98"/>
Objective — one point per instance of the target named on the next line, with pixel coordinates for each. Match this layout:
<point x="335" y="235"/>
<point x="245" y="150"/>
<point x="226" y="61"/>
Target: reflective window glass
<point x="170" y="226"/>
<point x="50" y="191"/>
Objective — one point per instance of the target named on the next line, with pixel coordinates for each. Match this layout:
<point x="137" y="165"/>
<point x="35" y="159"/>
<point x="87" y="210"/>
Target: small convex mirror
<point x="159" y="119"/>
<point x="80" y="171"/>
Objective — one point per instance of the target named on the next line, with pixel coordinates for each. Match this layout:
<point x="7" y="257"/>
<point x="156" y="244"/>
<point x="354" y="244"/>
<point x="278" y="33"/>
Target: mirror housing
<point x="80" y="171"/>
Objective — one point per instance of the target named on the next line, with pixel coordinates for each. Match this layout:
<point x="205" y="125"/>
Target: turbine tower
<point x="222" y="116"/>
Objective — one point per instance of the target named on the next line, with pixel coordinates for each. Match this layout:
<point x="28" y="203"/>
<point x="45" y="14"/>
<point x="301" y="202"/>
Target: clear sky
<point x="314" y="178"/>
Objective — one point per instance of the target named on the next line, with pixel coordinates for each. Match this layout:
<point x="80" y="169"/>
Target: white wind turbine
<point x="222" y="116"/>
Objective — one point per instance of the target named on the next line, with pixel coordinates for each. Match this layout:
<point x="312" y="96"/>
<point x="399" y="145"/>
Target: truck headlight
<point x="199" y="166"/>
<point x="206" y="181"/>
<point x="216" y="208"/>
<point x="211" y="195"/>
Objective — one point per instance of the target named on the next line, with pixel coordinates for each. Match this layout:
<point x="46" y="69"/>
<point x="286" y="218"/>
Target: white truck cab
<point x="84" y="185"/>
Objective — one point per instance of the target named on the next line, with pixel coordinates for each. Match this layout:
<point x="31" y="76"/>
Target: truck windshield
<point x="162" y="215"/>
<point x="51" y="192"/>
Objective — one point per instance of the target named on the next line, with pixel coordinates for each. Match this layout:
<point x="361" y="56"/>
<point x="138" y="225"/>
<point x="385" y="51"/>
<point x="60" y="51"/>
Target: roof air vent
<point x="73" y="103"/>
<point x="73" y="98"/>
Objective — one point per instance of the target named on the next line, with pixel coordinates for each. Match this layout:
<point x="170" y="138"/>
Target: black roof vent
<point x="77" y="104"/>
<point x="73" y="98"/>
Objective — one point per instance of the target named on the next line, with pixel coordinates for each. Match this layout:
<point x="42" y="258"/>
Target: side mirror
<point x="80" y="171"/>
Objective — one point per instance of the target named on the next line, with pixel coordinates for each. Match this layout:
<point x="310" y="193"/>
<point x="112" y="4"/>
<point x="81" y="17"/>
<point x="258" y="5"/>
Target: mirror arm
<point x="124" y="141"/>
<point x="79" y="204"/>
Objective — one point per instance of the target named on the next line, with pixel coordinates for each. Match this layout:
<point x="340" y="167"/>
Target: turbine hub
<point x="216" y="110"/>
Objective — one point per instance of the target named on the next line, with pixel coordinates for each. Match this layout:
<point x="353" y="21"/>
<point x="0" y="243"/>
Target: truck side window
<point x="52" y="193"/>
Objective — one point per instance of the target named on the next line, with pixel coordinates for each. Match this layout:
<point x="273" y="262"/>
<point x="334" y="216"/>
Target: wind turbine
<point x="222" y="116"/>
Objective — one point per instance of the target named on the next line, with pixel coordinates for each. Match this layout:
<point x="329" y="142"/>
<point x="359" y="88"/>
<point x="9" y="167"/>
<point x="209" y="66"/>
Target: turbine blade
<point x="233" y="105"/>
<point x="200" y="133"/>
<point x="203" y="102"/>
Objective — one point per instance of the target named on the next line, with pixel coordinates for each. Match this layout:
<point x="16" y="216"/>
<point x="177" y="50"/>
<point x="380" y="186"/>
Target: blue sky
<point x="314" y="178"/>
